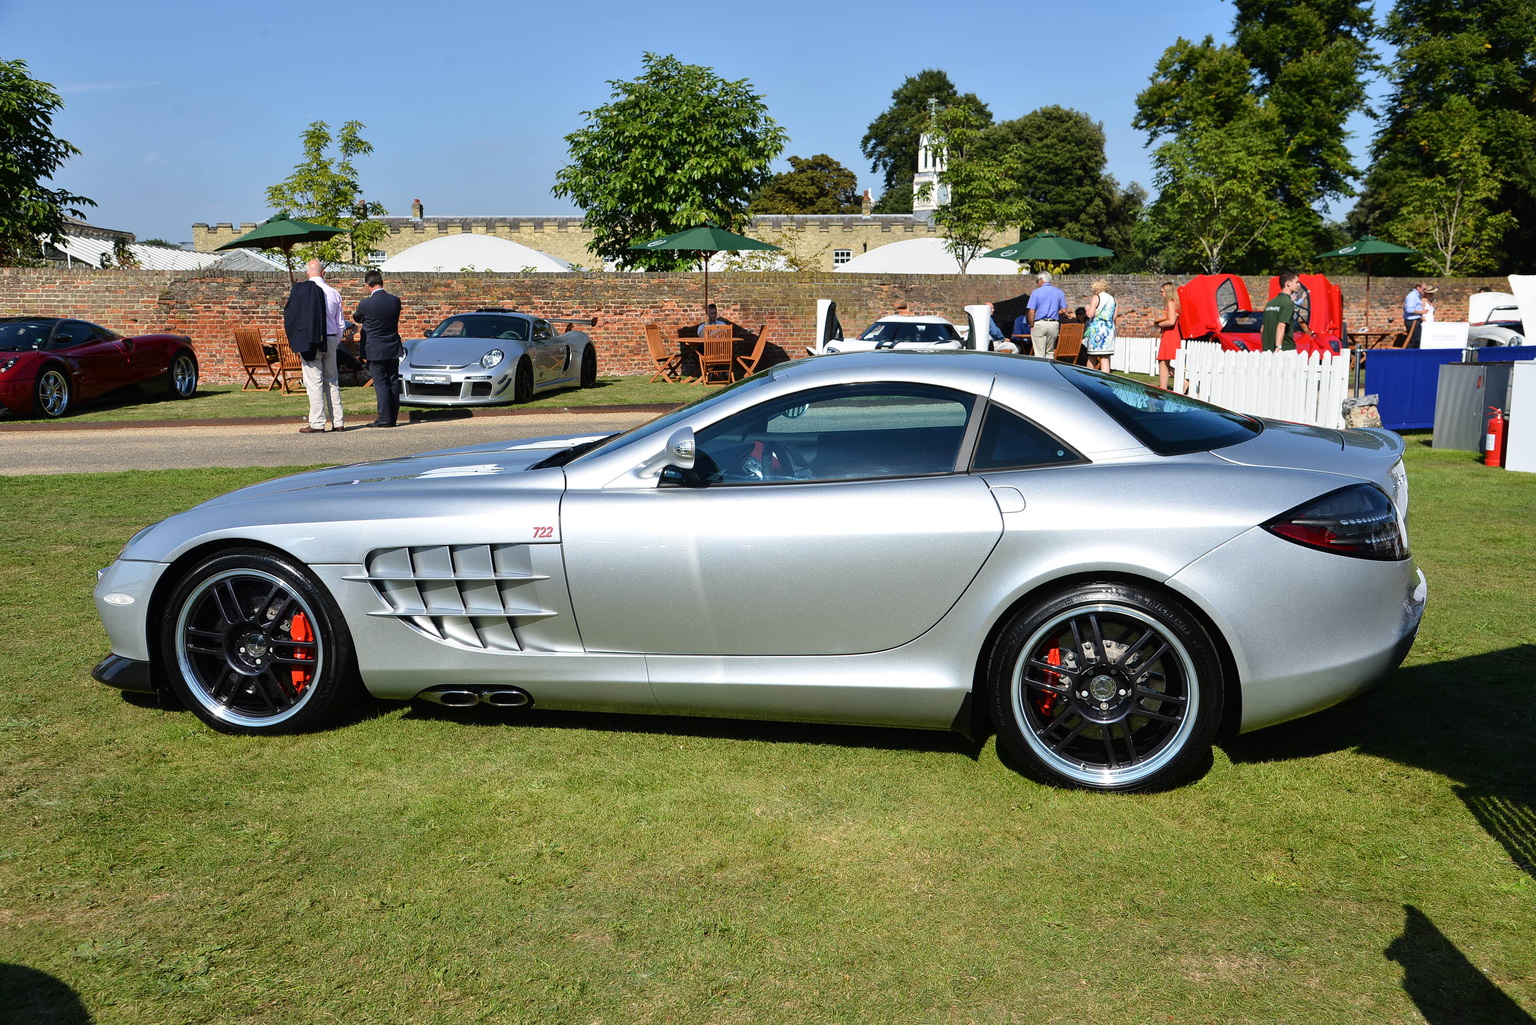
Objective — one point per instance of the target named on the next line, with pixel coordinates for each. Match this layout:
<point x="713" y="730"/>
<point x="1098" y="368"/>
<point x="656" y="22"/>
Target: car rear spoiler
<point x="589" y="321"/>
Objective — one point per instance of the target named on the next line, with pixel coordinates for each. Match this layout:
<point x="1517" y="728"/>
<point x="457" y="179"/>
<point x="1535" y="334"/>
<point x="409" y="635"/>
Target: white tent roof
<point x="453" y="253"/>
<point x="90" y="250"/>
<point x="921" y="256"/>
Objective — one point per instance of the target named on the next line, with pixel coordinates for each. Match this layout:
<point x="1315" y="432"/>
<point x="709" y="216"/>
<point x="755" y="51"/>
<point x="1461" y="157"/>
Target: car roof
<point x="903" y="318"/>
<point x="33" y="320"/>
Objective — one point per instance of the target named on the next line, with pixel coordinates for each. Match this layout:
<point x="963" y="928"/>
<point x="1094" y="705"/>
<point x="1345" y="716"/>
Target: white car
<point x="907" y="333"/>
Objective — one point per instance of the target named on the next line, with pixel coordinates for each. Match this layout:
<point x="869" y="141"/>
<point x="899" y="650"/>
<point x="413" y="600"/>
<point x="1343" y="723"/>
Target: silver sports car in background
<point x="1109" y="575"/>
<point x="494" y="356"/>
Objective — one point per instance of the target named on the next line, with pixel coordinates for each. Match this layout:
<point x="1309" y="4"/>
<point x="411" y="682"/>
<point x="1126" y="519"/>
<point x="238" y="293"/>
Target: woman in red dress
<point x="1168" y="346"/>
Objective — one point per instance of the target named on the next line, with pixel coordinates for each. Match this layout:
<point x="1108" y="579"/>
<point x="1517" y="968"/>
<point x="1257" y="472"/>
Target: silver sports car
<point x="1108" y="575"/>
<point x="494" y="356"/>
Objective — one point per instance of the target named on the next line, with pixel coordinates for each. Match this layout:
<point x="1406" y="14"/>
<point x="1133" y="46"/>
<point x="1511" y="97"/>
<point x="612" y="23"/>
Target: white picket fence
<point x="1302" y="387"/>
<point x="1134" y="355"/>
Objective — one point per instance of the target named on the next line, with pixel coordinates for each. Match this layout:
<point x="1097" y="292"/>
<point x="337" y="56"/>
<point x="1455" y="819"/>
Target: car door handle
<point x="1009" y="500"/>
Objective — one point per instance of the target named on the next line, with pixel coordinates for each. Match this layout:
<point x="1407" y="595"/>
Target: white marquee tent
<point x="921" y="256"/>
<point x="453" y="253"/>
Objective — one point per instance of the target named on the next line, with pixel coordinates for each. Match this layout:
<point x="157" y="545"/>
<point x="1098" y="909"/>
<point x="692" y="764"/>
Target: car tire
<point x="181" y="378"/>
<point x="1106" y="687"/>
<point x="522" y="382"/>
<point x="588" y="367"/>
<point x="252" y="644"/>
<point x="52" y="392"/>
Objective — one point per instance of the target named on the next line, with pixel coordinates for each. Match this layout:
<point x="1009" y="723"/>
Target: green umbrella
<point x="283" y="233"/>
<point x="706" y="239"/>
<point x="1047" y="245"/>
<point x="1368" y="246"/>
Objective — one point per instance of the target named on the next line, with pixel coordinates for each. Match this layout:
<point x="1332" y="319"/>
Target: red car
<point x="47" y="364"/>
<point x="1215" y="307"/>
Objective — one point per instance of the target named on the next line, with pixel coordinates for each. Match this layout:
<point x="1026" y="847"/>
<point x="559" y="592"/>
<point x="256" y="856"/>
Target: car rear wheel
<point x="181" y="379"/>
<point x="589" y="367"/>
<point x="52" y="392"/>
<point x="522" y="382"/>
<point x="1106" y="687"/>
<point x="252" y="644"/>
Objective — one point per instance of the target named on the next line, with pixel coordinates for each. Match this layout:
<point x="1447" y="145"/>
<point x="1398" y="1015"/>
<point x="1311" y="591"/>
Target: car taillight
<point x="1359" y="520"/>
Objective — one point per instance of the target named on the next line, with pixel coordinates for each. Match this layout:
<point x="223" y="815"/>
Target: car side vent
<point x="470" y="596"/>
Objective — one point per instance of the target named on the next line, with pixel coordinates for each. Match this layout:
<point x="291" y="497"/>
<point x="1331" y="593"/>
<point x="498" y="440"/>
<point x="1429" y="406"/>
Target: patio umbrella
<point x="283" y="233"/>
<point x="706" y="239"/>
<point x="1047" y="245"/>
<point x="1368" y="246"/>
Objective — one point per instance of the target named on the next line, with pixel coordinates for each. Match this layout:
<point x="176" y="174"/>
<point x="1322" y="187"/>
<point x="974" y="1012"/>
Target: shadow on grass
<point x="1468" y="719"/>
<point x="1447" y="988"/>
<point x="37" y="998"/>
<point x="708" y="727"/>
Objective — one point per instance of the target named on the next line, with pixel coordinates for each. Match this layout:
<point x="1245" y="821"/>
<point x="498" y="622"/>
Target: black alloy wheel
<point x="1106" y="687"/>
<point x="522" y="382"/>
<point x="253" y="644"/>
<point x="589" y="367"/>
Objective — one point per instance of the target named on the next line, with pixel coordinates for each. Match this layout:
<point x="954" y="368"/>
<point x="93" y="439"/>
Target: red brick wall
<point x="209" y="309"/>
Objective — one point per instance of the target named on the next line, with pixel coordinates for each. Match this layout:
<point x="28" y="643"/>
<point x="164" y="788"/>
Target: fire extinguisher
<point x="1493" y="441"/>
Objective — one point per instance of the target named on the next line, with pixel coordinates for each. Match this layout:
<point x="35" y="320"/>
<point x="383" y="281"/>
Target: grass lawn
<point x="1376" y="863"/>
<point x="222" y="401"/>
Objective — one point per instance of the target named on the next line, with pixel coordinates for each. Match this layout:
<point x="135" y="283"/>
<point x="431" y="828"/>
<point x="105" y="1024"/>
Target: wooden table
<point x="1371" y="339"/>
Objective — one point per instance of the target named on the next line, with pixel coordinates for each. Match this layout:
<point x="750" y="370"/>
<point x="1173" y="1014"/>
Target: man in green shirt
<point x="1280" y="314"/>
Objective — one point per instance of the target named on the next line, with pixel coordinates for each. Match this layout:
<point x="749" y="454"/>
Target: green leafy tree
<point x="984" y="200"/>
<point x="892" y="139"/>
<point x="676" y="148"/>
<point x="1446" y="210"/>
<point x="30" y="154"/>
<point x="1459" y="130"/>
<point x="813" y="185"/>
<point x="1216" y="199"/>
<point x="1057" y="157"/>
<point x="325" y="190"/>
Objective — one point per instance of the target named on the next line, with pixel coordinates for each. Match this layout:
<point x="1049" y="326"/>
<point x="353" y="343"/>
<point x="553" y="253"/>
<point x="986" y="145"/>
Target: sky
<point x="186" y="112"/>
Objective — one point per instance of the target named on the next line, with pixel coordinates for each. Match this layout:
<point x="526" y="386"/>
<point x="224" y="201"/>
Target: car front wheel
<point x="1106" y="687"/>
<point x="522" y="382"/>
<point x="52" y="393"/>
<point x="252" y="644"/>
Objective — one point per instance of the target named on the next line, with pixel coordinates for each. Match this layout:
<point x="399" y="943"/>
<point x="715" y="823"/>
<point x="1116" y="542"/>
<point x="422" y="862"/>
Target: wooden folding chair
<point x="669" y="364"/>
<point x="289" y="369"/>
<point x="1069" y="343"/>
<point x="253" y="359"/>
<point x="718" y="357"/>
<point x="749" y="363"/>
<point x="1400" y="340"/>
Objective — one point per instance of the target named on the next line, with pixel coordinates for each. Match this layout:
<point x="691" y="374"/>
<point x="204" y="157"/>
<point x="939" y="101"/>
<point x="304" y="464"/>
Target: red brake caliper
<point x="1046" y="700"/>
<point x="300" y="630"/>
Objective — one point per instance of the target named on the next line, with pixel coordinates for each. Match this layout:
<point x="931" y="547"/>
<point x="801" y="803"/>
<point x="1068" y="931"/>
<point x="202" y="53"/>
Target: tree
<point x="676" y="148"/>
<point x="1216" y="198"/>
<point x="984" y="199"/>
<point x="326" y="191"/>
<point x="30" y="154"/>
<point x="892" y="139"/>
<point x="1057" y="157"/>
<point x="1462" y="108"/>
<point x="813" y="185"/>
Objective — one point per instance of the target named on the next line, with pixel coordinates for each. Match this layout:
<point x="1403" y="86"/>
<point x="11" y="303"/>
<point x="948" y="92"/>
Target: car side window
<point x="1009" y="442"/>
<point x="72" y="333"/>
<point x="542" y="331"/>
<point x="850" y="432"/>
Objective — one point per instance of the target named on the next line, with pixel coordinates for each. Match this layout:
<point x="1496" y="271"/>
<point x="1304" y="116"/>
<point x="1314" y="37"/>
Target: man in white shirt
<point x="1413" y="314"/>
<point x="320" y="379"/>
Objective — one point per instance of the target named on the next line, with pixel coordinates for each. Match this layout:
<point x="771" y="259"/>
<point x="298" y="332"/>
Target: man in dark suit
<point x="379" y="314"/>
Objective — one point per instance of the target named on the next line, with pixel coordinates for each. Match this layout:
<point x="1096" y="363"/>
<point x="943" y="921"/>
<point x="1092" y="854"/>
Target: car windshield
<point x="1241" y="322"/>
<point x="22" y="335"/>
<point x="1165" y="422"/>
<point x="902" y="331"/>
<point x="666" y="420"/>
<point x="482" y="325"/>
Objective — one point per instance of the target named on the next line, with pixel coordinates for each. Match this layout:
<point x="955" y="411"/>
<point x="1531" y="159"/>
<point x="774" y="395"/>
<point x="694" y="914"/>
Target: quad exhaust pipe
<point x="466" y="697"/>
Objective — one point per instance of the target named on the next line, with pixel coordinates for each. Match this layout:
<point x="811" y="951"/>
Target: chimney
<point x="867" y="205"/>
<point x="416" y="209"/>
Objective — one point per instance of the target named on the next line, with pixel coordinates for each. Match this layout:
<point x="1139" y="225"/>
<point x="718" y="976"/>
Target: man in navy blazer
<point x="379" y="314"/>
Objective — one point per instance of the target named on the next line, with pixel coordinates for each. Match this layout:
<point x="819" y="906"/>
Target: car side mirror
<point x="678" y="453"/>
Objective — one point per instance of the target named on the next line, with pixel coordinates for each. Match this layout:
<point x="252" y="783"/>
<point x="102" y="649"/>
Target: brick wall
<point x="209" y="309"/>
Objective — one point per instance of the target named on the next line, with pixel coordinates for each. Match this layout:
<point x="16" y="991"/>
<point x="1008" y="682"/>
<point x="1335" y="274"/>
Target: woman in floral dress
<point x="1099" y="335"/>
